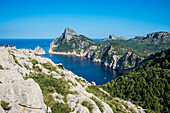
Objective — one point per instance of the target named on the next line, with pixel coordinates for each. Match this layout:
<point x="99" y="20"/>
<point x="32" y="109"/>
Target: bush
<point x="1" y="67"/>
<point x="88" y="105"/>
<point x="4" y="104"/>
<point x="60" y="108"/>
<point x="16" y="61"/>
<point x="100" y="106"/>
<point x="34" y="61"/>
<point x="60" y="66"/>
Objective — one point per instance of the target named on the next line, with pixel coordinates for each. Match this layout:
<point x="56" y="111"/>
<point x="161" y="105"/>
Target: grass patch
<point x="60" y="108"/>
<point x="34" y="61"/>
<point x="48" y="85"/>
<point x="49" y="67"/>
<point x="4" y="104"/>
<point x="16" y="61"/>
<point x="27" y="67"/>
<point x="88" y="105"/>
<point x="37" y="68"/>
<point x="98" y="104"/>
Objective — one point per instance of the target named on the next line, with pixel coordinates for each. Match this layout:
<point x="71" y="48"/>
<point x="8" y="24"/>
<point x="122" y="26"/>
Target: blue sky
<point x="92" y="18"/>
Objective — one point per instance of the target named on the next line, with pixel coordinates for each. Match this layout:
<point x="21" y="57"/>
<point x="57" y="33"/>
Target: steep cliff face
<point x="28" y="81"/>
<point x="111" y="55"/>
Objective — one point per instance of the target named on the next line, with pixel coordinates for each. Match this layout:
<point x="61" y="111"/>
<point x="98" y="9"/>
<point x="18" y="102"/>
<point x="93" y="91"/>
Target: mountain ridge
<point x="109" y="55"/>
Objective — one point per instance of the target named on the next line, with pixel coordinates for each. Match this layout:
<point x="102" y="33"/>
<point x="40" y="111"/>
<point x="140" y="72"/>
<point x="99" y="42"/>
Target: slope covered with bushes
<point x="147" y="85"/>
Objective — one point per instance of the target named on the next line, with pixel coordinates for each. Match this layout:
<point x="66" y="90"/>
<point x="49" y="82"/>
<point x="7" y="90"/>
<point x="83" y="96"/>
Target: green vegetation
<point x="147" y="86"/>
<point x="34" y="61"/>
<point x="98" y="103"/>
<point x="49" y="67"/>
<point x="16" y="61"/>
<point x="60" y="66"/>
<point x="48" y="85"/>
<point x="4" y="104"/>
<point x="114" y="103"/>
<point x="88" y="105"/>
<point x="143" y="47"/>
<point x="26" y="66"/>
<point x="60" y="108"/>
<point x="1" y="67"/>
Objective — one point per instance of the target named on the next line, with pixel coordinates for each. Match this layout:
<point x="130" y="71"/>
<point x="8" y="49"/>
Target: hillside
<point x="152" y="43"/>
<point x="148" y="85"/>
<point x="114" y="55"/>
<point x="34" y="84"/>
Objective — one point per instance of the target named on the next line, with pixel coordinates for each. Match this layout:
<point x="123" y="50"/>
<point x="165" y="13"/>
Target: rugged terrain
<point x="114" y="55"/>
<point x="148" y="85"/>
<point x="34" y="84"/>
<point x="152" y="43"/>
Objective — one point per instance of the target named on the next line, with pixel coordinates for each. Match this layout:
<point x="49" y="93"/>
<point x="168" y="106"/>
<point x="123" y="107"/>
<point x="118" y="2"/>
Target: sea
<point x="81" y="66"/>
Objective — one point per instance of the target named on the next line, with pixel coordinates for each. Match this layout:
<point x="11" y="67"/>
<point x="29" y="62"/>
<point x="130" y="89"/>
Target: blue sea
<point x="81" y="66"/>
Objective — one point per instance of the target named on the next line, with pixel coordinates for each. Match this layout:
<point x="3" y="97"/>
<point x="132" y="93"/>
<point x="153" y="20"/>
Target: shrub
<point x="60" y="108"/>
<point x="16" y="61"/>
<point x="60" y="66"/>
<point x="26" y="66"/>
<point x="34" y="61"/>
<point x="1" y="67"/>
<point x="4" y="104"/>
<point x="88" y="105"/>
<point x="98" y="104"/>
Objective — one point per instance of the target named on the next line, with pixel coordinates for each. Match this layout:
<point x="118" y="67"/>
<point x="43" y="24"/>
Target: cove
<point x="81" y="66"/>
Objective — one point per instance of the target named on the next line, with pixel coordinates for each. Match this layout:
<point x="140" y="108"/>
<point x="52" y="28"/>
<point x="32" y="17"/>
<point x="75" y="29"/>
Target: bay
<point x="81" y="66"/>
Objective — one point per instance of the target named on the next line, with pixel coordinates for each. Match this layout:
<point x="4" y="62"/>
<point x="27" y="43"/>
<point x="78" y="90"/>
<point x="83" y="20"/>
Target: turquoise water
<point x="81" y="66"/>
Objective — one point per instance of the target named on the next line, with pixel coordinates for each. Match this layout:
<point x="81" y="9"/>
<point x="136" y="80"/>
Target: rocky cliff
<point x="28" y="81"/>
<point x="113" y="37"/>
<point x="114" y="55"/>
<point x="154" y="38"/>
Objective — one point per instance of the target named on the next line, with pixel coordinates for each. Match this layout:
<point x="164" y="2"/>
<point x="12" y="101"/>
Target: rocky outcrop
<point x="154" y="38"/>
<point x="113" y="37"/>
<point x="110" y="55"/>
<point x="24" y="95"/>
<point x="39" y="51"/>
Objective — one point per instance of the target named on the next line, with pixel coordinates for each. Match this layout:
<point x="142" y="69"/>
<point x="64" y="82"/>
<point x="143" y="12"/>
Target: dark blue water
<point x="81" y="66"/>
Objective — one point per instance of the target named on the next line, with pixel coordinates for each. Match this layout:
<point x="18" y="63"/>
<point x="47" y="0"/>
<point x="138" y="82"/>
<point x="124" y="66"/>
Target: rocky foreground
<point x="33" y="84"/>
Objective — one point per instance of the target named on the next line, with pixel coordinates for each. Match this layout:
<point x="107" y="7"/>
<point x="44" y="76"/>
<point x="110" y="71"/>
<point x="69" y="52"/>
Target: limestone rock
<point x="39" y="51"/>
<point x="113" y="37"/>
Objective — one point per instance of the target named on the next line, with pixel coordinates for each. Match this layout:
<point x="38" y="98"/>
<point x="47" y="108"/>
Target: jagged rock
<point x="39" y="51"/>
<point x="23" y="96"/>
<point x="154" y="38"/>
<point x="113" y="37"/>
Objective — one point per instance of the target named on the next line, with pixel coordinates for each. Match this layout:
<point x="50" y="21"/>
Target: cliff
<point x="28" y="81"/>
<point x="113" y="55"/>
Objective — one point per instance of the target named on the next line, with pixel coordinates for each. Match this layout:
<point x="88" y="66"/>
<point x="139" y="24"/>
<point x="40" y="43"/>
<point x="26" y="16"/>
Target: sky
<point x="92" y="18"/>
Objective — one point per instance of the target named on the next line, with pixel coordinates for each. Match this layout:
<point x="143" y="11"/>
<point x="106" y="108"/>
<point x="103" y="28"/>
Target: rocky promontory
<point x="112" y="55"/>
<point x="35" y="84"/>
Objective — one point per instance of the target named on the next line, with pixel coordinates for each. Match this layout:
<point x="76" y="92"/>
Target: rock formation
<point x="39" y="51"/>
<point x="110" y="55"/>
<point x="113" y="37"/>
<point x="62" y="89"/>
<point x="154" y="38"/>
